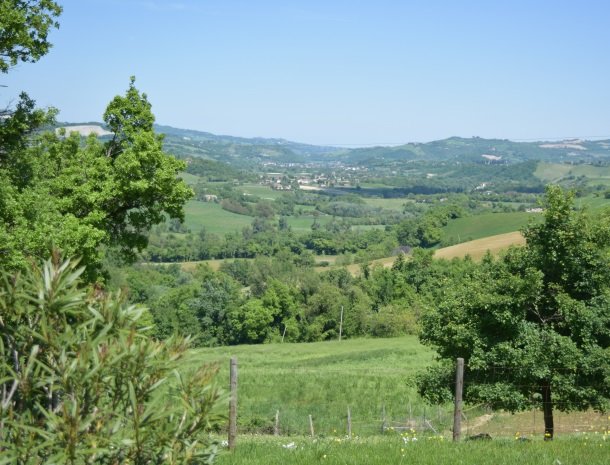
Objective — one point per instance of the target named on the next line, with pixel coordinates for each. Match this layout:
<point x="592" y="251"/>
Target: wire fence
<point x="381" y="413"/>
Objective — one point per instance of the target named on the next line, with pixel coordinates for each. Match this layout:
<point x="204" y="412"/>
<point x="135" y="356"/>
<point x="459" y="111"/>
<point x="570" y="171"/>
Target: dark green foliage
<point x="82" y="383"/>
<point x="533" y="327"/>
<point x="426" y="230"/>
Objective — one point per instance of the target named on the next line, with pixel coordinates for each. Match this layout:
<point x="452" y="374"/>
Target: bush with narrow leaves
<point x="81" y="382"/>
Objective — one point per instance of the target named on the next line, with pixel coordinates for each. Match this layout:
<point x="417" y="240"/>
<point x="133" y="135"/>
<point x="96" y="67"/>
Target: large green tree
<point x="82" y="196"/>
<point x="57" y="190"/>
<point x="533" y="326"/>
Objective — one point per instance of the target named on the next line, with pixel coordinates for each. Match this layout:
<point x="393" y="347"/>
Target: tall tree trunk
<point x="547" y="407"/>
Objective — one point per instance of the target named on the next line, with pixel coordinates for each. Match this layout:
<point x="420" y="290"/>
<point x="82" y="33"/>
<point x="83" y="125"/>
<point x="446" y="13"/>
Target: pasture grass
<point x="213" y="218"/>
<point x="552" y="172"/>
<point x="322" y="379"/>
<point x="593" y="203"/>
<point x="260" y="190"/>
<point x="556" y="172"/>
<point x="393" y="449"/>
<point x="190" y="179"/>
<point x="489" y="224"/>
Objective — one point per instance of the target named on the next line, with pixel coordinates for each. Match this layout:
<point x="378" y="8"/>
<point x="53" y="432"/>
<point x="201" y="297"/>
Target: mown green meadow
<point x="259" y="190"/>
<point x="473" y="227"/>
<point x="392" y="449"/>
<point x="213" y="218"/>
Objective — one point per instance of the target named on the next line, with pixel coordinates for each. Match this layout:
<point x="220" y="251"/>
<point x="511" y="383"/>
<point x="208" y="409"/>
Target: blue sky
<point x="336" y="72"/>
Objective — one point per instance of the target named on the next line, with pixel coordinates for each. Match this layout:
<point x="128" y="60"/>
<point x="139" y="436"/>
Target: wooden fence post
<point x="341" y="323"/>
<point x="276" y="427"/>
<point x="349" y="423"/>
<point x="457" y="410"/>
<point x="311" y="432"/>
<point x="233" y="403"/>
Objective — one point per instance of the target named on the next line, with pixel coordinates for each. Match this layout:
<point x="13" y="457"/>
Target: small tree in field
<point x="533" y="326"/>
<point x="81" y="383"/>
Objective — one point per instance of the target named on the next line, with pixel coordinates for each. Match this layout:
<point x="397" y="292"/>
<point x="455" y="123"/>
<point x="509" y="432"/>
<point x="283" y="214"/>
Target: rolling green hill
<point x="244" y="151"/>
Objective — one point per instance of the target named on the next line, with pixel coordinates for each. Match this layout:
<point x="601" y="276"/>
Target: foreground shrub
<point x="81" y="382"/>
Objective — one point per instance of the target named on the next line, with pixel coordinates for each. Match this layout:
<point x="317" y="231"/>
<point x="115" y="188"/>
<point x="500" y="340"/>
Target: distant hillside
<point x="239" y="150"/>
<point x="243" y="152"/>
<point x="486" y="151"/>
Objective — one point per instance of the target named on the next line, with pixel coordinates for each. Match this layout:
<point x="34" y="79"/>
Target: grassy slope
<point x="264" y="192"/>
<point x="555" y="172"/>
<point x="551" y="172"/>
<point x="488" y="224"/>
<point x="213" y="218"/>
<point x="189" y="178"/>
<point x="323" y="379"/>
<point x="592" y="203"/>
<point x="303" y="223"/>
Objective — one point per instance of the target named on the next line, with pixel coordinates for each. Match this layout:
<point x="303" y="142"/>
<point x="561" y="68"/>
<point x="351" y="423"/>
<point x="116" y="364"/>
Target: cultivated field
<point x="478" y="248"/>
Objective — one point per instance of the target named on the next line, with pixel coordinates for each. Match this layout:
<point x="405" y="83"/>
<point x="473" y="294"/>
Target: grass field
<point x="264" y="192"/>
<point x="388" y="204"/>
<point x="303" y="223"/>
<point x="556" y="172"/>
<point x="593" y="203"/>
<point x="371" y="376"/>
<point x="322" y="379"/>
<point x="580" y="450"/>
<point x="213" y="218"/>
<point x="552" y="172"/>
<point x="190" y="179"/>
<point x="488" y="224"/>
